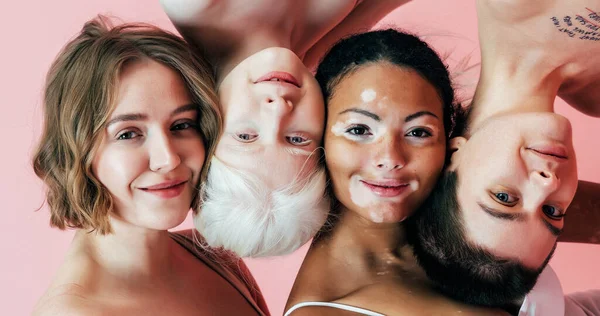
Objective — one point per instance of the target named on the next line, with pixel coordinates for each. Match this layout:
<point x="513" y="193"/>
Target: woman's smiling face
<point x="385" y="141"/>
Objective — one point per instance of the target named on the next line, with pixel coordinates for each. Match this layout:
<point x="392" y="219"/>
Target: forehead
<point x="147" y="83"/>
<point x="383" y="83"/>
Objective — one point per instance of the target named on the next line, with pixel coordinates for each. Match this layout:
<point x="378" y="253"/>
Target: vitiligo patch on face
<point x="414" y="185"/>
<point x="376" y="216"/>
<point x="368" y="95"/>
<point x="339" y="128"/>
<point x="359" y="193"/>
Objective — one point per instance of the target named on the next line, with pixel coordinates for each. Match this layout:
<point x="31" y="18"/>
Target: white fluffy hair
<point x="242" y="214"/>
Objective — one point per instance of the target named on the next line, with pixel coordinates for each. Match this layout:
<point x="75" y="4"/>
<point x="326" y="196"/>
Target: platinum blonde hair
<point x="240" y="213"/>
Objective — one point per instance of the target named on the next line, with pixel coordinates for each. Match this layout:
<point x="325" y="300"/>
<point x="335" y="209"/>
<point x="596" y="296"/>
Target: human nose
<point x="389" y="156"/>
<point x="275" y="114"/>
<point x="163" y="155"/>
<point x="278" y="106"/>
<point x="545" y="179"/>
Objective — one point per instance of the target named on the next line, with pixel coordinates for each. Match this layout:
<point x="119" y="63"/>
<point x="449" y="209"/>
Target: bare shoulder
<point x="68" y="300"/>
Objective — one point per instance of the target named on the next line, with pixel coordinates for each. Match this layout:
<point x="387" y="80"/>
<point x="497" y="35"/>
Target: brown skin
<point x="362" y="262"/>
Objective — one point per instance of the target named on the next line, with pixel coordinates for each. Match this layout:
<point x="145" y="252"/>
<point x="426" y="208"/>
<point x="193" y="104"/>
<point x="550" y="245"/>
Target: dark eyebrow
<point x="499" y="214"/>
<point x="553" y="230"/>
<point x="419" y="114"/>
<point x="141" y="117"/>
<point x="363" y="112"/>
<point x="517" y="216"/>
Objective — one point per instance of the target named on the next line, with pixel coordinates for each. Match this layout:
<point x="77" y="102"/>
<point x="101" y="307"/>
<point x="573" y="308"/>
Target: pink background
<point x="32" y="34"/>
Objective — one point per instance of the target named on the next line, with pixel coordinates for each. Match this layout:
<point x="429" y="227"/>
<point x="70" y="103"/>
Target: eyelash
<point x="175" y="128"/>
<point x="495" y="196"/>
<point x="419" y="129"/>
<point x="305" y="140"/>
<point x="359" y="127"/>
<point x="544" y="207"/>
<point x="554" y="217"/>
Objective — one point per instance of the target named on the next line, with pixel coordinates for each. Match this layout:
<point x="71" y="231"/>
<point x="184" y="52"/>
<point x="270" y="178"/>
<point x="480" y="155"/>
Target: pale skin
<point x="231" y="30"/>
<point x="138" y="269"/>
<point x="554" y="58"/>
<point x="264" y="122"/>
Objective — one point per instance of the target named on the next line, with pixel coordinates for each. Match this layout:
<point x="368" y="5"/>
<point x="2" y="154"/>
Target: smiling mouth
<point x="387" y="188"/>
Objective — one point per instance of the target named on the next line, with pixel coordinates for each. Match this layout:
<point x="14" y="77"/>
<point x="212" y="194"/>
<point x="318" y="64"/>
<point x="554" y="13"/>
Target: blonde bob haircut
<point x="80" y="94"/>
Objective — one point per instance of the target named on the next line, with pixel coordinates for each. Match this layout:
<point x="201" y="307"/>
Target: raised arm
<point x="561" y="36"/>
<point x="195" y="21"/>
<point x="362" y="18"/>
<point x="582" y="223"/>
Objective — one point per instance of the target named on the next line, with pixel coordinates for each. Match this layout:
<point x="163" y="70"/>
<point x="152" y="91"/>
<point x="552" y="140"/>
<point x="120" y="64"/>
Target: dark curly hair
<point x="396" y="47"/>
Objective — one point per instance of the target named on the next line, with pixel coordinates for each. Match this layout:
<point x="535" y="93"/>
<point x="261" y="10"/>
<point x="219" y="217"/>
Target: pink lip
<point x="551" y="150"/>
<point x="386" y="188"/>
<point x="283" y="77"/>
<point x="166" y="190"/>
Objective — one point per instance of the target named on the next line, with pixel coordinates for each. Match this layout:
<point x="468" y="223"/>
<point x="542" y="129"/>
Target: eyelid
<point x="364" y="126"/>
<point x="561" y="210"/>
<point x="307" y="138"/>
<point x="493" y="193"/>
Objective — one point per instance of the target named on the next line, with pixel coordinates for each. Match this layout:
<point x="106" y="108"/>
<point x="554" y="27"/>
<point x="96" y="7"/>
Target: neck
<point x="354" y="236"/>
<point x="257" y="42"/>
<point x="511" y="83"/>
<point x="131" y="252"/>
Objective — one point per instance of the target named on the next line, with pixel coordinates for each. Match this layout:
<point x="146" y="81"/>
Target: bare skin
<point x="525" y="51"/>
<point x="364" y="261"/>
<point x="149" y="276"/>
<point x="228" y="31"/>
<point x="370" y="266"/>
<point x="558" y="43"/>
<point x="358" y="264"/>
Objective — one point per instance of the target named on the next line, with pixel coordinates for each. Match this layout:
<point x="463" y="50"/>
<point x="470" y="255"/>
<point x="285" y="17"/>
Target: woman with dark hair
<point x="390" y="112"/>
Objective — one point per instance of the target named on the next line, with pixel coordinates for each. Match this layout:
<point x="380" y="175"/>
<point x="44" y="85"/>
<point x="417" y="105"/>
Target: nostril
<point x="269" y="100"/>
<point x="545" y="174"/>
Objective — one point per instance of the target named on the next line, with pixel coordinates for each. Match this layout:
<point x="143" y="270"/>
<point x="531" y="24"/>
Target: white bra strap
<point x="334" y="305"/>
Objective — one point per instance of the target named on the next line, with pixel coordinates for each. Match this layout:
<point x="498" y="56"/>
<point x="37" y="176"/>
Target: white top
<point x="358" y="310"/>
<point x="545" y="299"/>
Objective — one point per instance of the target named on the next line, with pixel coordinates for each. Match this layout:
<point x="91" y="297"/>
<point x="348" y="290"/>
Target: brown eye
<point x="358" y="130"/>
<point x="419" y="132"/>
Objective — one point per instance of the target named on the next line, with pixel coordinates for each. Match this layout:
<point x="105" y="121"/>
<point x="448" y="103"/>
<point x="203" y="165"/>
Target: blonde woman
<point x="130" y="123"/>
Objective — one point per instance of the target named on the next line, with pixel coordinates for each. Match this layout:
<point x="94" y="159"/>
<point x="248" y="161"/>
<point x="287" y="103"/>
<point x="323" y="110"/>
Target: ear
<point x="454" y="146"/>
